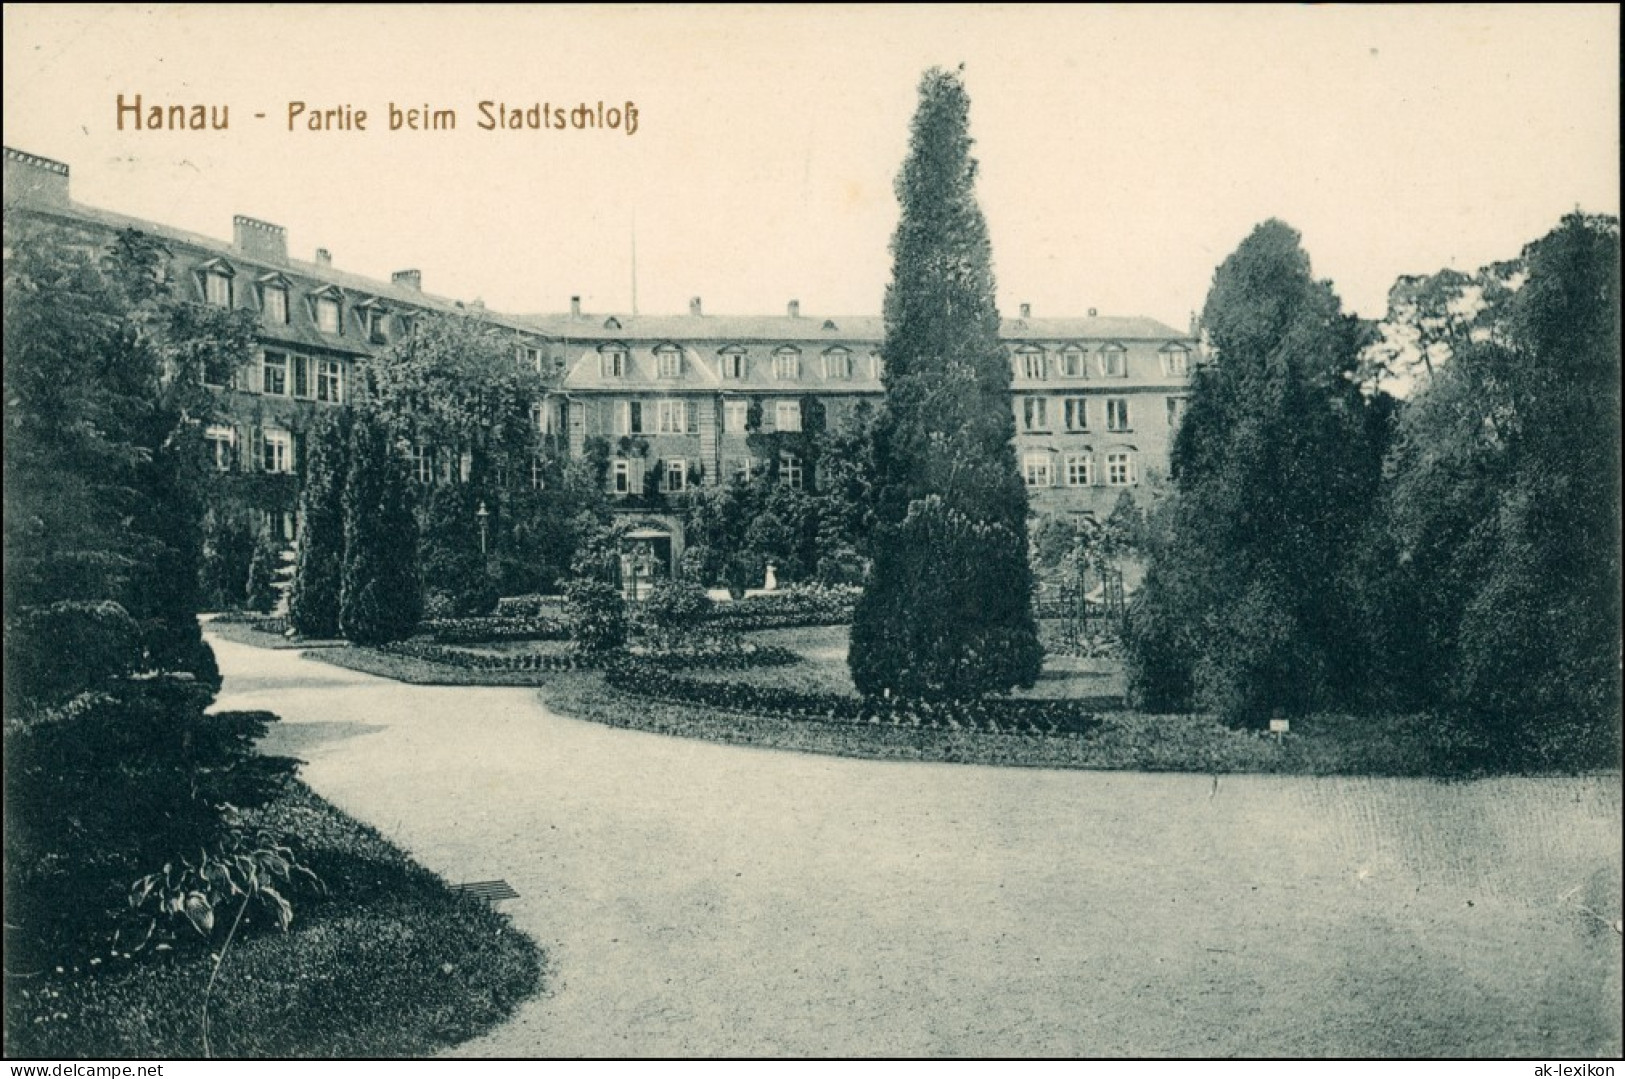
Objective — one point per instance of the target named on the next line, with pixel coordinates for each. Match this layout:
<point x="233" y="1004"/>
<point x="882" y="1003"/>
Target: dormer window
<point x="1113" y="362"/>
<point x="669" y="361"/>
<point x="1072" y="362"/>
<point x="325" y="308"/>
<point x="733" y="363"/>
<point x="275" y="298"/>
<point x="787" y="363"/>
<point x="374" y="321"/>
<point x="612" y="361"/>
<point x="217" y="283"/>
<point x="1030" y="362"/>
<point x="1176" y="361"/>
<point x="838" y="364"/>
<point x="528" y="357"/>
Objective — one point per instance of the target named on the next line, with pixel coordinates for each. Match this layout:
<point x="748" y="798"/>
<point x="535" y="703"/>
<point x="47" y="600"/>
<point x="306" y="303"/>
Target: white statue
<point x="772" y="581"/>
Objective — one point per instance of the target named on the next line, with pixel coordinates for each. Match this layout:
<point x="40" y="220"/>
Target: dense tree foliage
<point x="1247" y="608"/>
<point x="947" y="494"/>
<point x="1494" y="568"/>
<point x="313" y="601"/>
<point x="112" y="763"/>
<point x="380" y="596"/>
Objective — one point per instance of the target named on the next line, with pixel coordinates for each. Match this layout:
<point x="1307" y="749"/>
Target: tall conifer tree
<point x="313" y="603"/>
<point x="380" y="598"/>
<point x="947" y="610"/>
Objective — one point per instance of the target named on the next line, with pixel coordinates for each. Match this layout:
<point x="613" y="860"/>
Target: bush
<point x="595" y="615"/>
<point x="675" y="606"/>
<point x="261" y="592"/>
<point x="55" y="652"/>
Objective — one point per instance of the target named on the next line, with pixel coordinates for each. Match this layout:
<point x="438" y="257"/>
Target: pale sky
<point x="1124" y="152"/>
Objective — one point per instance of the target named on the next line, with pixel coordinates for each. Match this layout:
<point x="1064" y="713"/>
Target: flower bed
<point x="795" y="606"/>
<point x="996" y="715"/>
<point x="722" y="654"/>
<point x="531" y="627"/>
<point x="530" y="606"/>
<point x="479" y="661"/>
<point x="264" y="623"/>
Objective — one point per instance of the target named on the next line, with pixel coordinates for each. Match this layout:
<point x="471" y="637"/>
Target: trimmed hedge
<point x="791" y="608"/>
<point x="265" y="623"/>
<point x="999" y="715"/>
<point x="476" y="661"/>
<point x="531" y="627"/>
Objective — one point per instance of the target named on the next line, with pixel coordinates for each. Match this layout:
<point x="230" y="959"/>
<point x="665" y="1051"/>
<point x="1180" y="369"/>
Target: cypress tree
<point x="379" y="597"/>
<point x="1248" y="604"/>
<point x="946" y="611"/>
<point x="313" y="602"/>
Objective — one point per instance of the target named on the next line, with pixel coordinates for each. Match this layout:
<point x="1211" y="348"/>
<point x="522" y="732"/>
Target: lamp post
<point x="483" y="516"/>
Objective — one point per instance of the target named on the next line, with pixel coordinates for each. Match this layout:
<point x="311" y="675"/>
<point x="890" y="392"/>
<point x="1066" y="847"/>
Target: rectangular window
<point x="1176" y="410"/>
<point x="1079" y="470"/>
<point x="1113" y="362"/>
<point x="787" y="416"/>
<point x="787" y="365"/>
<point x="741" y="468"/>
<point x="672" y="417"/>
<point x="733" y="365"/>
<point x="790" y="470"/>
<point x="274" y="374"/>
<point x="1117" y="414"/>
<point x="330" y="381"/>
<point x="671" y="363"/>
<point x="217" y="289"/>
<point x="276" y="306"/>
<point x="735" y="415"/>
<point x="276" y="450"/>
<point x="838" y="364"/>
<point x="1035" y="468"/>
<point x="1032" y="364"/>
<point x="527" y="358"/>
<point x="422" y="464"/>
<point x="538" y="472"/>
<point x="1119" y="469"/>
<point x="676" y="475"/>
<point x="222" y="446"/>
<point x="622" y="476"/>
<point x="1034" y="414"/>
<point x="1176" y="362"/>
<point x="327" y="314"/>
<point x="541" y="416"/>
<point x="1077" y="414"/>
<point x="631" y="417"/>
<point x="1072" y="365"/>
<point x="612" y="363"/>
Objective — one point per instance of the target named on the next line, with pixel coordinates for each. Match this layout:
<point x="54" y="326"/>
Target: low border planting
<point x="525" y="627"/>
<point x="481" y="661"/>
<point x="999" y="715"/>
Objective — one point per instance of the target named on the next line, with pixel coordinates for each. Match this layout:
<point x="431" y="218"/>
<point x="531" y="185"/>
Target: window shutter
<point x="690" y="417"/>
<point x="256" y="450"/>
<point x="623" y="417"/>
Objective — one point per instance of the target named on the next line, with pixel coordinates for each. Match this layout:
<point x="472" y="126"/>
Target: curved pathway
<point x="703" y="900"/>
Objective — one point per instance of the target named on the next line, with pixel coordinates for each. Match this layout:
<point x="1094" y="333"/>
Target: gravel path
<point x="702" y="900"/>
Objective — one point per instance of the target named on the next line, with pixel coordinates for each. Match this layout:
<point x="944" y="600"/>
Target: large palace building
<point x="1096" y="399"/>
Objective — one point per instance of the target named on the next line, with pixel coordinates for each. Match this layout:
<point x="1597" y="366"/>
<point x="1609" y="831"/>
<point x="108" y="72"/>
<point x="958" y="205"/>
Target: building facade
<point x="674" y="400"/>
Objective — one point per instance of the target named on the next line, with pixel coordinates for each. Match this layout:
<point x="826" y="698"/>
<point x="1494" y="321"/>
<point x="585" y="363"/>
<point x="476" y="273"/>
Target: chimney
<point x="324" y="257"/>
<point x="1196" y="325"/>
<point x="30" y="178"/>
<point x="694" y="307"/>
<point x="1026" y="310"/>
<point x="259" y="239"/>
<point x="575" y="306"/>
<point x="793" y="308"/>
<point x="412" y="279"/>
<point x="1093" y="312"/>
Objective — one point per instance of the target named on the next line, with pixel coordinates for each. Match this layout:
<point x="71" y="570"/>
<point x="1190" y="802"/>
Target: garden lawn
<point x="391" y="962"/>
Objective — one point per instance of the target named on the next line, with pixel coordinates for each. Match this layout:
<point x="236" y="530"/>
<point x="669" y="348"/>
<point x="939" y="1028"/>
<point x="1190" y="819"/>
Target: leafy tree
<point x="313" y="601"/>
<point x="113" y="764"/>
<point x="1248" y="604"/>
<point x="946" y="610"/>
<point x="379" y="597"/>
<point x="1496" y="561"/>
<point x="228" y="547"/>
